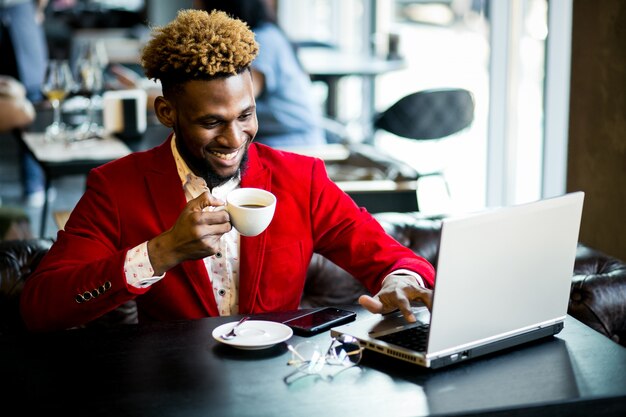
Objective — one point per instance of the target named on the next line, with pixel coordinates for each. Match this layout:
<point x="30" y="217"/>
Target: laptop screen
<point x="504" y="271"/>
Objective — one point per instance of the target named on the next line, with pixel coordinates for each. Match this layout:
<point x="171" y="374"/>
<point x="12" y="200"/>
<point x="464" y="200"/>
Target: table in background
<point x="177" y="368"/>
<point x="59" y="159"/>
<point x="376" y="195"/>
<point x="331" y="65"/>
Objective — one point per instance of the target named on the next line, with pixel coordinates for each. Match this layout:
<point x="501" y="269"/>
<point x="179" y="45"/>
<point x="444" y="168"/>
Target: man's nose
<point x="233" y="136"/>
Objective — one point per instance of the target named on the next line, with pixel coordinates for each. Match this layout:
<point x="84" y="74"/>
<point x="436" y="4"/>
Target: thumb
<point x="205" y="201"/>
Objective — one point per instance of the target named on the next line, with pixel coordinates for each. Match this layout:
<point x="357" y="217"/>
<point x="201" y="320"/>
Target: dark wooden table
<point x="178" y="369"/>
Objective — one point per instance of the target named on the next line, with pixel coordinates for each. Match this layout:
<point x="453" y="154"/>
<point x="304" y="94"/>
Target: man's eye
<point x="211" y="125"/>
<point x="245" y="116"/>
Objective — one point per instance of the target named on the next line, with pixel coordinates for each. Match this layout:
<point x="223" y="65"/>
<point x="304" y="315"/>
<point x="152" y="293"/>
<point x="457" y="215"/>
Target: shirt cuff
<point x="138" y="269"/>
<point x="418" y="277"/>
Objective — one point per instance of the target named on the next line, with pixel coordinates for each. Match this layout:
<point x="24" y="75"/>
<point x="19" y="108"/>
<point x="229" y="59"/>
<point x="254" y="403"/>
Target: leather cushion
<point x="598" y="295"/>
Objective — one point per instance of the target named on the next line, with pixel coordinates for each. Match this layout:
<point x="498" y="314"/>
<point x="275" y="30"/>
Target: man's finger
<point x="422" y="294"/>
<point x="373" y="305"/>
<point x="207" y="202"/>
<point x="405" y="307"/>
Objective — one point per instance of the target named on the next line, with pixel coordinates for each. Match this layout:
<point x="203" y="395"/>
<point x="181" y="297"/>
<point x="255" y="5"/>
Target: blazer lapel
<point x="199" y="278"/>
<point x="165" y="188"/>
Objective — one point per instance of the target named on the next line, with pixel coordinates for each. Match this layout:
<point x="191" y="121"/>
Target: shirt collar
<point x="186" y="175"/>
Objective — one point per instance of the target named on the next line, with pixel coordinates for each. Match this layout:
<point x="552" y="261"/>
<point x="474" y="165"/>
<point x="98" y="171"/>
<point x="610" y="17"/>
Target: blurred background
<point x="444" y="44"/>
<point x="470" y="44"/>
<point x="527" y="64"/>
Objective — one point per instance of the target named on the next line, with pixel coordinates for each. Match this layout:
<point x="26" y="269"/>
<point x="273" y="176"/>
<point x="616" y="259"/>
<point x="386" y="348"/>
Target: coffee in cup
<point x="251" y="210"/>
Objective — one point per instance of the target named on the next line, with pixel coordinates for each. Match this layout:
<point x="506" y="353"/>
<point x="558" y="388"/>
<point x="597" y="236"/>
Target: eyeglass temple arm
<point x="295" y="352"/>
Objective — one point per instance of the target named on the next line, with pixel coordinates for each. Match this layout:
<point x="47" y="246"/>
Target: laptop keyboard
<point x="414" y="338"/>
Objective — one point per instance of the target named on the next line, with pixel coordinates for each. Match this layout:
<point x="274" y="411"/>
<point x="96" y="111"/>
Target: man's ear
<point x="164" y="111"/>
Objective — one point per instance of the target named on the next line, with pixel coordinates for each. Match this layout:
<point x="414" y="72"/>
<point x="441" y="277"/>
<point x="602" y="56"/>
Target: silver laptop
<point x="503" y="278"/>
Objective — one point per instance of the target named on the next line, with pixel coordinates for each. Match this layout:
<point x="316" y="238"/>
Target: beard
<point x="203" y="169"/>
<point x="213" y="179"/>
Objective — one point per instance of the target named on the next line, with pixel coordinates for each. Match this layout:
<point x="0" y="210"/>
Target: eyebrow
<point x="219" y="117"/>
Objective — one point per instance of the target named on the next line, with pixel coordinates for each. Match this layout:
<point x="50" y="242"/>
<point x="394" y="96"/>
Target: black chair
<point x="429" y="115"/>
<point x="18" y="260"/>
<point x="425" y="115"/>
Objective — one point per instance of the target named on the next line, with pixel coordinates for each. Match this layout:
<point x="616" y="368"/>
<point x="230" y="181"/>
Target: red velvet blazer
<point x="133" y="199"/>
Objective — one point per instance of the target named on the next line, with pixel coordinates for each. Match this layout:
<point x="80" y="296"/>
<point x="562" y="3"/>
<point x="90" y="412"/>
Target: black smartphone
<point x="320" y="320"/>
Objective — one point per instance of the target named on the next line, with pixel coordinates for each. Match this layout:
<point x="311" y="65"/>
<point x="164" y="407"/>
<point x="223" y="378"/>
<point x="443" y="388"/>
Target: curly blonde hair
<point x="198" y="45"/>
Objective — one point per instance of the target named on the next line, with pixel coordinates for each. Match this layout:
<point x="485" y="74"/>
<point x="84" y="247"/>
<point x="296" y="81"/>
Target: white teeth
<point x="226" y="156"/>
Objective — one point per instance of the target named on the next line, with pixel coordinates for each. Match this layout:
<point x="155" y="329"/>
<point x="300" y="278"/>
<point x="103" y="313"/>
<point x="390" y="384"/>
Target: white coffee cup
<point x="251" y="210"/>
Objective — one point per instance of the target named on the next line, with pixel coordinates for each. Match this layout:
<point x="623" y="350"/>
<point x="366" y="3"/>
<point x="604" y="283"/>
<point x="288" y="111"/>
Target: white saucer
<point x="254" y="334"/>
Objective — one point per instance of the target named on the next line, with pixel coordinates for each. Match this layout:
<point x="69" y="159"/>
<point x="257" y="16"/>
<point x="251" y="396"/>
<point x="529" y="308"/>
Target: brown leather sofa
<point x="597" y="298"/>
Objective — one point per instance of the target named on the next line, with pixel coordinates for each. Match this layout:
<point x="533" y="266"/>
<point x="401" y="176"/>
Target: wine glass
<point x="89" y="72"/>
<point x="56" y="86"/>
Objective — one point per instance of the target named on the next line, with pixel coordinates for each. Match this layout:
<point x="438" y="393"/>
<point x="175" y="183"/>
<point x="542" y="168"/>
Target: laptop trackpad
<point x="395" y="321"/>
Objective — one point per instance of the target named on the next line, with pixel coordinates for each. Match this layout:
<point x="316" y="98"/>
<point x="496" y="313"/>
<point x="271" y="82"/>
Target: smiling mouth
<point x="225" y="156"/>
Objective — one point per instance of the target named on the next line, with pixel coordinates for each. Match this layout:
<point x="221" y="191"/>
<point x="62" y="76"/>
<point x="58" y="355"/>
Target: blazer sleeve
<point x="350" y="237"/>
<point x="82" y="276"/>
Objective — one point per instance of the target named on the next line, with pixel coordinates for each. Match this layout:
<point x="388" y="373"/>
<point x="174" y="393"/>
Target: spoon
<point x="231" y="333"/>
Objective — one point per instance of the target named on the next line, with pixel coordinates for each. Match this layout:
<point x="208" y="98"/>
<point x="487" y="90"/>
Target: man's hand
<point x="397" y="292"/>
<point x="195" y="235"/>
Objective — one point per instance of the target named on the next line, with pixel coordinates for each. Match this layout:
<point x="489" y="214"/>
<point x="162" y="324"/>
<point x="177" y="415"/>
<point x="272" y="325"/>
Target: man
<point x="145" y="228"/>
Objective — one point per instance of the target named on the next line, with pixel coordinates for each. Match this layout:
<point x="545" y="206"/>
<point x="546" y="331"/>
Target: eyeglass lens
<point x="343" y="350"/>
<point x="308" y="359"/>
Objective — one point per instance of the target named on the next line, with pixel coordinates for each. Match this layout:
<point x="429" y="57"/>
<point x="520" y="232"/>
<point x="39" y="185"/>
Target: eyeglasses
<point x="310" y="359"/>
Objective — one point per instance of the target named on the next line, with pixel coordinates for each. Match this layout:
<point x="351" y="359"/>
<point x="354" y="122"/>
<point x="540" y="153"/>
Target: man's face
<point x="215" y="122"/>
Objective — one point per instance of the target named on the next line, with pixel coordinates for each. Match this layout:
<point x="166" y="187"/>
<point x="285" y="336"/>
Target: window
<point x="494" y="49"/>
